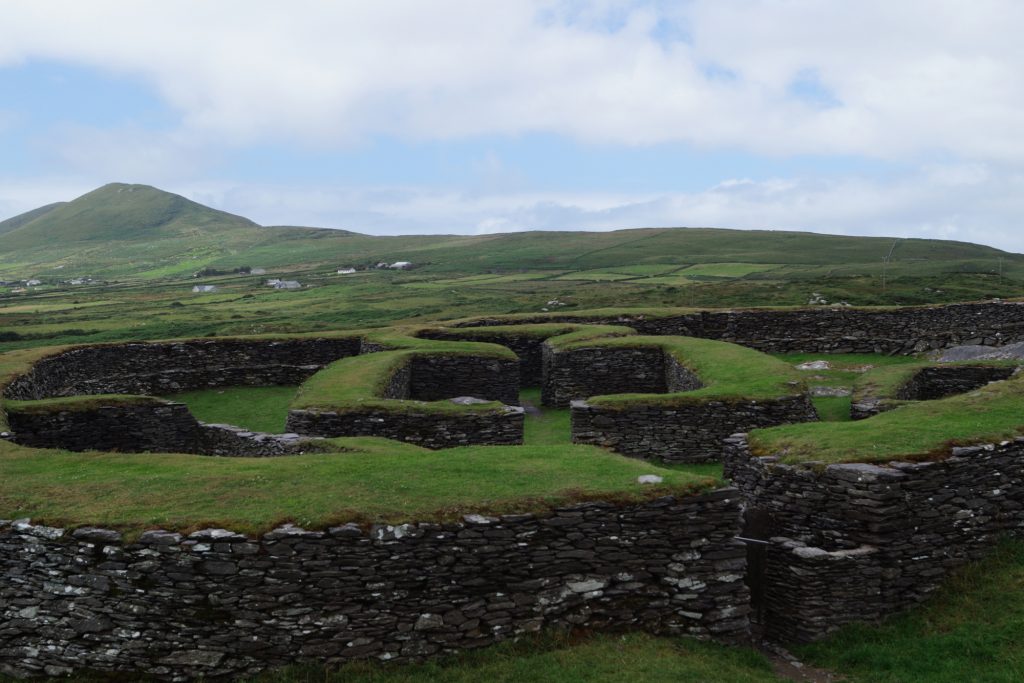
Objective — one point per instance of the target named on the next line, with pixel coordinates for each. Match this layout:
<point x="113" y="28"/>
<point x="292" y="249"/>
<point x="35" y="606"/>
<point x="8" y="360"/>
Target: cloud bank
<point x="930" y="87"/>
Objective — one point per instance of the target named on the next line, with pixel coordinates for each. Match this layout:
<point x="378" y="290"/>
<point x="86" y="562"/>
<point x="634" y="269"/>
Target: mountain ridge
<point x="137" y="230"/>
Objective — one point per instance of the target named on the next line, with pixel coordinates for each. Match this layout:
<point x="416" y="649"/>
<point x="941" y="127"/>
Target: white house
<point x="346" y="271"/>
<point x="287" y="284"/>
<point x="204" y="289"/>
<point x="33" y="283"/>
<point x="273" y="282"/>
<point x="401" y="265"/>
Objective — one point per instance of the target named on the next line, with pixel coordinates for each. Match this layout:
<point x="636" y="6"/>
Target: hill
<point x="135" y="231"/>
<point x="118" y="212"/>
<point x="12" y="224"/>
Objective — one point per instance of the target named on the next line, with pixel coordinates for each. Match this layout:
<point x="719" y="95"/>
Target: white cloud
<point x="910" y="78"/>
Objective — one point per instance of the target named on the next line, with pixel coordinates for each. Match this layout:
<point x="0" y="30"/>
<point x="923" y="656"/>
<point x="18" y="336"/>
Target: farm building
<point x="204" y="289"/>
<point x="287" y="284"/>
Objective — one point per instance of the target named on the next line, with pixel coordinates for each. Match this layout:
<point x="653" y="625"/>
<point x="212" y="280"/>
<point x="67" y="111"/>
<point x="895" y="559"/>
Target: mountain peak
<point x="117" y="211"/>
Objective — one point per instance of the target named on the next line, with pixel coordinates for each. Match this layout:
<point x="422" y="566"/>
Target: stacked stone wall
<point x="597" y="371"/>
<point x="440" y="429"/>
<point x="859" y="542"/>
<point x="826" y="329"/>
<point x="169" y="367"/>
<point x="529" y="349"/>
<point x="145" y="427"/>
<point x="434" y="377"/>
<point x="928" y="384"/>
<point x="219" y="604"/>
<point x="685" y="432"/>
<point x="938" y="382"/>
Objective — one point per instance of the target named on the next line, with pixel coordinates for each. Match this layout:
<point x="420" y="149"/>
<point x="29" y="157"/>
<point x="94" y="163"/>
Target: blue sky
<point x="478" y="117"/>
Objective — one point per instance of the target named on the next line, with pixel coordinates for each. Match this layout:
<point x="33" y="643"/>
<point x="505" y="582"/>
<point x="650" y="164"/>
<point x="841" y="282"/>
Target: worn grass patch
<point x="560" y="658"/>
<point x="971" y="630"/>
<point x="378" y="480"/>
<point x="261" y="409"/>
<point x="915" y="431"/>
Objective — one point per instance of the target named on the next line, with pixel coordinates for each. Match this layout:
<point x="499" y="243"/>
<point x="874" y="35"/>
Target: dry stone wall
<point x="938" y="382"/>
<point x="218" y="604"/>
<point x="431" y="429"/>
<point x="859" y="542"/>
<point x="169" y="367"/>
<point x="162" y="427"/>
<point x="828" y="330"/>
<point x="580" y="373"/>
<point x="685" y="432"/>
<point x="928" y="384"/>
<point x="527" y="347"/>
<point x="434" y="377"/>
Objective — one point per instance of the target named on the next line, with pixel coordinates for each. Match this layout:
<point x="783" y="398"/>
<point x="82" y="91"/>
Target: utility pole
<point x="885" y="261"/>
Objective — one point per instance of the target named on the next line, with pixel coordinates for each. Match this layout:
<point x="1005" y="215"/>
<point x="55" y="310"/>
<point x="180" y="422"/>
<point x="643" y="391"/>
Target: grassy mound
<point x="727" y="371"/>
<point x="369" y="479"/>
<point x="358" y="382"/>
<point x="885" y="382"/>
<point x="915" y="431"/>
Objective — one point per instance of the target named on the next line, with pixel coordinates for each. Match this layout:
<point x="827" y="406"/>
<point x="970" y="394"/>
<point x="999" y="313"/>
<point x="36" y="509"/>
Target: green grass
<point x="551" y="428"/>
<point x="915" y="431"/>
<point x="553" y="658"/>
<point x="727" y="269"/>
<point x="885" y="382"/>
<point x="358" y="382"/>
<point x="971" y="630"/>
<point x="832" y="408"/>
<point x="261" y="409"/>
<point x="373" y="482"/>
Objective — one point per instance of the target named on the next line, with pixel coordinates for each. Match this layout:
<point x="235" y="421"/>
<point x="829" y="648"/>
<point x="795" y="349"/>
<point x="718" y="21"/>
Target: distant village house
<point x="287" y="284"/>
<point x="204" y="289"/>
<point x="346" y="271"/>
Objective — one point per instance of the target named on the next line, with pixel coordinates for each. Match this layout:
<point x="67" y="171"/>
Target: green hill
<point x="119" y="212"/>
<point x="12" y="224"/>
<point x="122" y="231"/>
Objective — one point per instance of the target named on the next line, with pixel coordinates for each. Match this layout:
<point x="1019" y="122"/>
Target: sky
<point x="877" y="117"/>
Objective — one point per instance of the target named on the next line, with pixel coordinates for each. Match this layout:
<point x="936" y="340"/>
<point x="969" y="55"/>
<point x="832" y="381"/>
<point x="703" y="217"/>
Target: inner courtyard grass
<point x="261" y="409"/>
<point x="377" y="480"/>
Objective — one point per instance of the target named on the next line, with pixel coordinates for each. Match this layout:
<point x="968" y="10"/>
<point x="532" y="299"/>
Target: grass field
<point x="261" y="409"/>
